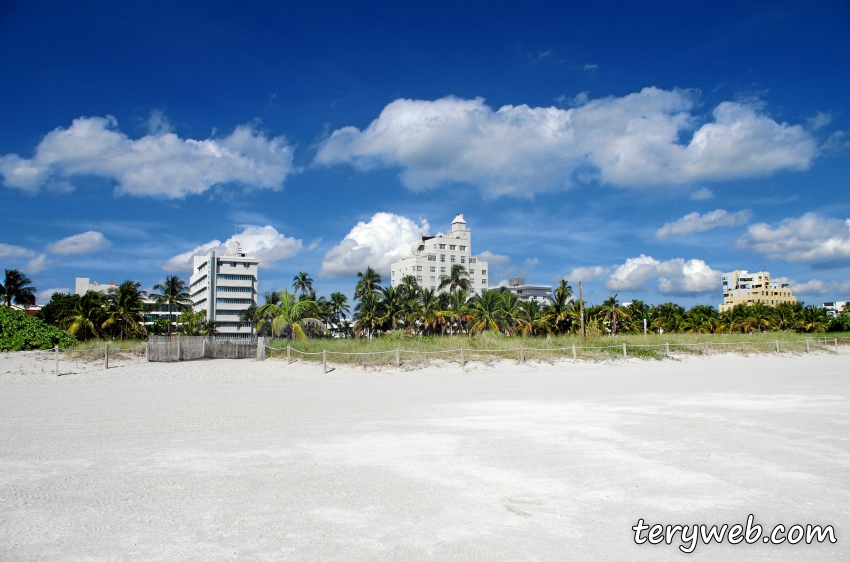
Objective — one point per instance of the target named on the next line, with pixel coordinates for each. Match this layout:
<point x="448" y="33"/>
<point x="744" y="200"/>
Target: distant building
<point x="539" y="293"/>
<point x="222" y="286"/>
<point x="742" y="287"/>
<point x="434" y="257"/>
<point x="84" y="285"/>
<point x="834" y="308"/>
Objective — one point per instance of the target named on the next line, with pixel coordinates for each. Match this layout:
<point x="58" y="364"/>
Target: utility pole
<point x="581" y="308"/>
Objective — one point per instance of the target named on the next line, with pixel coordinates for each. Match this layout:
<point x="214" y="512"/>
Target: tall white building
<point x="434" y="257"/>
<point x="224" y="285"/>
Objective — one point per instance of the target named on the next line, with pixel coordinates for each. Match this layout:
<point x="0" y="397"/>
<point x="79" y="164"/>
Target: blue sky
<point x="641" y="149"/>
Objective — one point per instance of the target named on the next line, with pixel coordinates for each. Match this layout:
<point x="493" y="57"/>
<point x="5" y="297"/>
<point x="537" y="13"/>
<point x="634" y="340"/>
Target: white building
<point x="82" y="285"/>
<point x="541" y="294"/>
<point x="434" y="257"/>
<point x="834" y="308"/>
<point x="224" y="285"/>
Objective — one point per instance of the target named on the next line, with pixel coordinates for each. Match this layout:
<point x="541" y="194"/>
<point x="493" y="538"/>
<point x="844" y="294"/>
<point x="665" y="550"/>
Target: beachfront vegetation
<point x="20" y="332"/>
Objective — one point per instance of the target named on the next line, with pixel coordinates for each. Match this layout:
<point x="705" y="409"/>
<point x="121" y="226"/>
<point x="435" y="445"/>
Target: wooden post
<point x="581" y="308"/>
<point x="625" y="354"/>
<point x="288" y="355"/>
<point x="667" y="347"/>
<point x="743" y="348"/>
<point x="462" y="360"/>
<point x="106" y="357"/>
<point x="325" y="360"/>
<point x="706" y="348"/>
<point x="836" y="344"/>
<point x="644" y="328"/>
<point x="56" y="359"/>
<point x="397" y="357"/>
<point x="808" y="349"/>
<point x="574" y="352"/>
<point x="777" y="346"/>
<point x="522" y="354"/>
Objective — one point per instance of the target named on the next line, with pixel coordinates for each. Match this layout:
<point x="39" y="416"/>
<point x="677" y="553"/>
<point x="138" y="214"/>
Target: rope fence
<point x="74" y="361"/>
<point x="410" y="357"/>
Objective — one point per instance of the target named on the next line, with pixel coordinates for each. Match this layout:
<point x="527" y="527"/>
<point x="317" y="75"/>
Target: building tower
<point x="223" y="286"/>
<point x="434" y="256"/>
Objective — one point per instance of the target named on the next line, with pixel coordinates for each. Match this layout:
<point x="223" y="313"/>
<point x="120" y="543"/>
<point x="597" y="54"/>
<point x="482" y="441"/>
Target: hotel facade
<point x="434" y="256"/>
<point x="222" y="286"/>
<point x="743" y="287"/>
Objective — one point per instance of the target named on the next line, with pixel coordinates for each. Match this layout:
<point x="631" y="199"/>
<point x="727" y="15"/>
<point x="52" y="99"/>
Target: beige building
<point x="743" y="287"/>
<point x="434" y="257"/>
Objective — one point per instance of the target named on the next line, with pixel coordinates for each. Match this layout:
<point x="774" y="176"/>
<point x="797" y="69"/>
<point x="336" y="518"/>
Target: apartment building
<point x="434" y="256"/>
<point x="223" y="286"/>
<point x="743" y="287"/>
<point x="542" y="294"/>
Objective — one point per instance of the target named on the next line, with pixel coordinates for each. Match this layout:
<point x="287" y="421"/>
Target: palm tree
<point x="668" y="317"/>
<point x="302" y="282"/>
<point x="125" y="307"/>
<point x="486" y="311"/>
<point x="510" y="310"/>
<point x="812" y="319"/>
<point x="339" y="308"/>
<point x="563" y="289"/>
<point x="174" y="293"/>
<point x="88" y="316"/>
<point x="391" y="306"/>
<point x="290" y="317"/>
<point x="250" y="317"/>
<point x="16" y="288"/>
<point x="560" y="314"/>
<point x="459" y="313"/>
<point x="458" y="278"/>
<point x="530" y="318"/>
<point x="367" y="314"/>
<point x="612" y="312"/>
<point x="367" y="282"/>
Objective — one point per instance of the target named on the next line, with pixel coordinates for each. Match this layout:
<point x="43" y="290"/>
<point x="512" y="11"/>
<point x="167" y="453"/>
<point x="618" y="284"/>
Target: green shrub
<point x="21" y="332"/>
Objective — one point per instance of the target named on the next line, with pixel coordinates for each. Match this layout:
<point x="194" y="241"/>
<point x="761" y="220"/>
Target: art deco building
<point x="742" y="287"/>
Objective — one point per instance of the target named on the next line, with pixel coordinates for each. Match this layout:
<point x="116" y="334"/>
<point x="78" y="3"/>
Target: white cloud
<point x="44" y="296"/>
<point x="585" y="273"/>
<point x="818" y="120"/>
<point x="818" y="287"/>
<point x="701" y="194"/>
<point x="674" y="277"/>
<point x="590" y="66"/>
<point x="314" y="243"/>
<point x="82" y="243"/>
<point x="38" y="263"/>
<point x="835" y="143"/>
<point x="263" y="242"/>
<point x="694" y="222"/>
<point x="807" y="239"/>
<point x="9" y="251"/>
<point x="378" y="243"/>
<point x="494" y="259"/>
<point x="519" y="150"/>
<point x="160" y="164"/>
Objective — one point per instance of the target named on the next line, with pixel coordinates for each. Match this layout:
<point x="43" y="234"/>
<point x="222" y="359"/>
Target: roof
<point x="459" y="218"/>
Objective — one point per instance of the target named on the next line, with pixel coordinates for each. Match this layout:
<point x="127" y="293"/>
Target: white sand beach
<point x="245" y="460"/>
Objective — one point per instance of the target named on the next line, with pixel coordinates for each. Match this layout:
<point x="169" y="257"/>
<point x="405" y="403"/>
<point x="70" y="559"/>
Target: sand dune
<point x="244" y="460"/>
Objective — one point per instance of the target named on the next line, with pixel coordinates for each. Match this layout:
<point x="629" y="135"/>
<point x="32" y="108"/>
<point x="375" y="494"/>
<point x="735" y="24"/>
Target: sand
<point x="245" y="460"/>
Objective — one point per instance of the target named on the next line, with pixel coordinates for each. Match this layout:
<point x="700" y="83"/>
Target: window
<point x="442" y="246"/>
<point x="442" y="270"/>
<point x="471" y="260"/>
<point x="433" y="288"/>
<point x="418" y="268"/>
<point x="452" y="258"/>
<point x="452" y="247"/>
<point x="472" y="272"/>
<point x="419" y="278"/>
<point x="483" y="281"/>
<point x="463" y="248"/>
<point x="442" y="257"/>
<point x="432" y="257"/>
<point x="463" y="259"/>
<point x="433" y="269"/>
<point x="472" y="281"/>
<point x="435" y="246"/>
<point x="433" y="279"/>
<point x="483" y="272"/>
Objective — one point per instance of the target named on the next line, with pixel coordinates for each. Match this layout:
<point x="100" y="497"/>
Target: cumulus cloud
<point x="840" y="289"/>
<point x="38" y="263"/>
<point x="701" y="194"/>
<point x="631" y="141"/>
<point x="262" y="242"/>
<point x="159" y="164"/>
<point x="586" y="273"/>
<point x="83" y="243"/>
<point x="386" y="238"/>
<point x="673" y="277"/>
<point x="695" y="222"/>
<point x="818" y="120"/>
<point x="9" y="251"/>
<point x="494" y="259"/>
<point x="807" y="239"/>
<point x="44" y="296"/>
